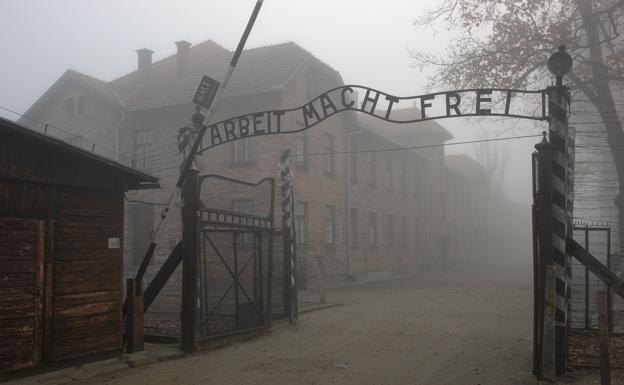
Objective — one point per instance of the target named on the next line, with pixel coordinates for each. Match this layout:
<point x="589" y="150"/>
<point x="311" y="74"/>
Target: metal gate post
<point x="546" y="301"/>
<point x="587" y="319"/>
<point x="190" y="233"/>
<point x="558" y="98"/>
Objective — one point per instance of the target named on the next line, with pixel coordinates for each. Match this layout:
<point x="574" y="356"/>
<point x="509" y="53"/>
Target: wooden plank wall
<point x="82" y="292"/>
<point x="21" y="273"/>
<point x="87" y="273"/>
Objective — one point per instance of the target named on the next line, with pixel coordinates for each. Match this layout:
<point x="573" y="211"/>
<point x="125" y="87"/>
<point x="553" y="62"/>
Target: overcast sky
<point x="367" y="41"/>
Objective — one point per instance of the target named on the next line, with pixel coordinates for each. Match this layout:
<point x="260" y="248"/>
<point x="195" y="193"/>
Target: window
<point x="403" y="178"/>
<point x="372" y="228"/>
<point x="404" y="231"/>
<point x="300" y="149"/>
<point x="244" y="150"/>
<point x="301" y="221"/>
<point x="389" y="235"/>
<point x="143" y="150"/>
<point x="389" y="173"/>
<point x="352" y="157"/>
<point x="353" y="227"/>
<point x="372" y="169"/>
<point x="244" y="206"/>
<point x="329" y="156"/>
<point x="74" y="106"/>
<point x="330" y="224"/>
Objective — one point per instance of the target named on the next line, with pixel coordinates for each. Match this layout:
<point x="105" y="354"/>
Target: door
<point x="21" y="280"/>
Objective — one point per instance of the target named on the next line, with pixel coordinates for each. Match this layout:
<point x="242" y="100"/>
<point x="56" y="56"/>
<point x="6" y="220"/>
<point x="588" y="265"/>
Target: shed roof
<point x="135" y="178"/>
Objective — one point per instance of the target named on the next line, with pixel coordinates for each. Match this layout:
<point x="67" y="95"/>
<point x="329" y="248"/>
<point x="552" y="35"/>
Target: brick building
<point x="395" y="198"/>
<point x="466" y="198"/>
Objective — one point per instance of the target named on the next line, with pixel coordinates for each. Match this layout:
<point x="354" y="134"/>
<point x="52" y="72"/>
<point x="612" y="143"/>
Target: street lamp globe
<point x="560" y="62"/>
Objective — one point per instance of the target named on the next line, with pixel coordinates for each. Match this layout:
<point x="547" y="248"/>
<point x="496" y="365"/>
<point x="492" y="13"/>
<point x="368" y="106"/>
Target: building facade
<point x="359" y="208"/>
<point x="466" y="201"/>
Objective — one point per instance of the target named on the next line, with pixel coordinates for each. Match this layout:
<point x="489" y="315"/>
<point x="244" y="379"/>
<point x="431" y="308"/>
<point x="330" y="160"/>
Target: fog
<point x="393" y="233"/>
<point x="368" y="42"/>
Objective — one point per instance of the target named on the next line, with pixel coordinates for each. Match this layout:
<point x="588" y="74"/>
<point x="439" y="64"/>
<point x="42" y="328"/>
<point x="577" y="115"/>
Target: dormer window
<point x="74" y="106"/>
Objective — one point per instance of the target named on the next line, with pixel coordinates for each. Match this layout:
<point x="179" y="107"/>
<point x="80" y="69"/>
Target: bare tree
<point x="494" y="160"/>
<point x="507" y="42"/>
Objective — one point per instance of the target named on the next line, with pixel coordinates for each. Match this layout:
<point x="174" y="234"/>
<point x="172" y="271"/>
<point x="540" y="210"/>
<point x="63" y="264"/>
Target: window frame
<point x="249" y="150"/>
<point x="248" y="207"/>
<point x="330" y="225"/>
<point x="353" y="227"/>
<point x="372" y="169"/>
<point x="373" y="230"/>
<point x="300" y="150"/>
<point x="143" y="141"/>
<point x="301" y="220"/>
<point x="329" y="156"/>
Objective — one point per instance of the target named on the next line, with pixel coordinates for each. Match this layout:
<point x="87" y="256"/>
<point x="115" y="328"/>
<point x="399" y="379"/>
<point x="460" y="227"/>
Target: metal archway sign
<point x="524" y="104"/>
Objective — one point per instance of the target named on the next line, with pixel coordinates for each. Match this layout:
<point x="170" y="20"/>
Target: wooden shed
<point x="61" y="249"/>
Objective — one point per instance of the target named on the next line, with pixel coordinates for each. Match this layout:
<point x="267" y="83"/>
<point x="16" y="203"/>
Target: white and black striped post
<point x="290" y="255"/>
<point x="558" y="100"/>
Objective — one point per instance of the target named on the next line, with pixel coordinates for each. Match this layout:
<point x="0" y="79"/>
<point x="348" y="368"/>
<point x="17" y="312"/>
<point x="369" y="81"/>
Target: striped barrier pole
<point x="562" y="197"/>
<point x="290" y="264"/>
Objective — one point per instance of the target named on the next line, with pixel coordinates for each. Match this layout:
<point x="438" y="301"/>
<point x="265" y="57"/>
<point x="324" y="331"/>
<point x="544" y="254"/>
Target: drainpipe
<point x="122" y="116"/>
<point x="348" y="148"/>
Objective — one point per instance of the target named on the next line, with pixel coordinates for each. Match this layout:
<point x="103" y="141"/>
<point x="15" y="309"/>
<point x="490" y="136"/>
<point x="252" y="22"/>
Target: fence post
<point x="603" y="335"/>
<point x="587" y="318"/>
<point x="134" y="325"/>
<point x="536" y="270"/>
<point x="609" y="291"/>
<point x="190" y="243"/>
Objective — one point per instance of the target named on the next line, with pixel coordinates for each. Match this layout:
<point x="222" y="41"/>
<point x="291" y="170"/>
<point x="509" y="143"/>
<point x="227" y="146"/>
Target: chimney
<point x="145" y="62"/>
<point x="183" y="57"/>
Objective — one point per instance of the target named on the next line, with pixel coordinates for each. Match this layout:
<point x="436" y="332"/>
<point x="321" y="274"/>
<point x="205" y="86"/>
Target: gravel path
<point x="463" y="327"/>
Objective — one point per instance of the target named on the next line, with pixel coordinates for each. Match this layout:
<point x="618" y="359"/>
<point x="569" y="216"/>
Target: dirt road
<point x="463" y="327"/>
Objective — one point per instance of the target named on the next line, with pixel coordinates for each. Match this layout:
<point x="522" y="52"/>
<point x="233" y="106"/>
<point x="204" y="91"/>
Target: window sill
<point x="243" y="163"/>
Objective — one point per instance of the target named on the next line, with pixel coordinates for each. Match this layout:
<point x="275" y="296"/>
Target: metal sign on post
<point x="524" y="104"/>
<point x="206" y="92"/>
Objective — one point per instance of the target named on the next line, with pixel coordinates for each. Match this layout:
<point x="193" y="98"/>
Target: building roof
<point x="136" y="177"/>
<point x="408" y="134"/>
<point x="465" y="166"/>
<point x="259" y="70"/>
<point x="99" y="87"/>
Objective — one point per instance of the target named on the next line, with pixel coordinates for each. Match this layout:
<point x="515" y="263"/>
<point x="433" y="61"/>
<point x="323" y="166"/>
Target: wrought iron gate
<point x="235" y="257"/>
